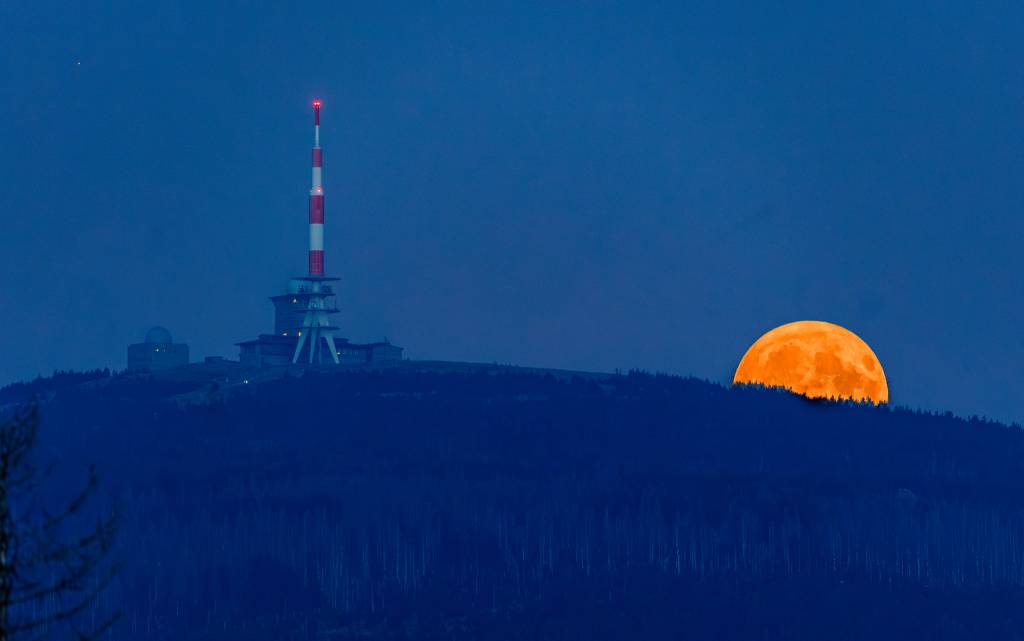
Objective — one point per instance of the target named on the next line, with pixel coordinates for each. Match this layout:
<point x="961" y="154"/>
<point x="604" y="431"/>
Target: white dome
<point x="159" y="336"/>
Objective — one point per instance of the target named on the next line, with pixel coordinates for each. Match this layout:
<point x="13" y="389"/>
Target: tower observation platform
<point x="316" y="323"/>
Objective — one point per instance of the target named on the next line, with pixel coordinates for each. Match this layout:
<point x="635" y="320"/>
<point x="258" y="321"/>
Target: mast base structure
<point x="316" y="334"/>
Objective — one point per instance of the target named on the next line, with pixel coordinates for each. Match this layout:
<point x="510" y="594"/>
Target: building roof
<point x="329" y="310"/>
<point x="274" y="339"/>
<point x="315" y="278"/>
<point x="269" y="339"/>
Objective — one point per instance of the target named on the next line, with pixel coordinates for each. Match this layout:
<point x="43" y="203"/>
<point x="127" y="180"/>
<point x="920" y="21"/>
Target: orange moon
<point x="816" y="359"/>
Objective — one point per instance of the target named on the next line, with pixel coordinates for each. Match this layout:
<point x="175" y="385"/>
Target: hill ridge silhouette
<point x="413" y="504"/>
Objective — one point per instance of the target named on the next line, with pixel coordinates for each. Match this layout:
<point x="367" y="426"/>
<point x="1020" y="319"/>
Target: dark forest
<point x="499" y="505"/>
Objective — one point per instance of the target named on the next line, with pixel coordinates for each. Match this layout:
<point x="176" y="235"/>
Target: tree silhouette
<point x="53" y="564"/>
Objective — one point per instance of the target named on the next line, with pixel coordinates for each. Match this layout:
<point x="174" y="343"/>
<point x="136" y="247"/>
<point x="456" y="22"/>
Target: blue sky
<point x="591" y="185"/>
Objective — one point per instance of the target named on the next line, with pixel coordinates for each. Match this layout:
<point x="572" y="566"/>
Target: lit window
<point x="300" y="333"/>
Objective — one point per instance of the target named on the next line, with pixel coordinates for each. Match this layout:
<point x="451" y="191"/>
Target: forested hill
<point x="499" y="505"/>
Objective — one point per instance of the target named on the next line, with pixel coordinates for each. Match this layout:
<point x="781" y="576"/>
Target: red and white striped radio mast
<point x="314" y="288"/>
<point x="316" y="201"/>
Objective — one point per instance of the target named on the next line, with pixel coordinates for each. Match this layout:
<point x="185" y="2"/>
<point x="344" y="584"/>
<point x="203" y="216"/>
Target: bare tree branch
<point x="47" y="577"/>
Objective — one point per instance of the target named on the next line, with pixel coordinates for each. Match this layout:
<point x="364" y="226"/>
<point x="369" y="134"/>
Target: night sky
<point x="589" y="186"/>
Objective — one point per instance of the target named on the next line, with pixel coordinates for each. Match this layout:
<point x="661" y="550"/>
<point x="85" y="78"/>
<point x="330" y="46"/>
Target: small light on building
<point x="246" y="381"/>
<point x="295" y="300"/>
<point x="300" y="333"/>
